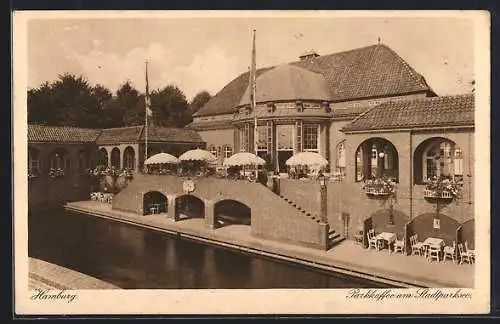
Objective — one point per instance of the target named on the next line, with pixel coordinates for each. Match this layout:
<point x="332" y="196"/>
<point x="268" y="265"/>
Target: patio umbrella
<point x="198" y="155"/>
<point x="161" y="158"/>
<point x="307" y="158"/>
<point x="244" y="158"/>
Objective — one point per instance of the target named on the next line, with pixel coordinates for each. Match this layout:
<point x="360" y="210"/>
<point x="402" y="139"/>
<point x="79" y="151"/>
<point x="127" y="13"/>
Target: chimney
<point x="309" y="54"/>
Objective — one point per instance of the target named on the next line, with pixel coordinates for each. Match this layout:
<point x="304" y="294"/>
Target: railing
<point x="433" y="194"/>
<point x="376" y="192"/>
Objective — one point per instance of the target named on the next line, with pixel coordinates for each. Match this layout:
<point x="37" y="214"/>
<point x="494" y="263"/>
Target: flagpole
<point x="254" y="100"/>
<point x="146" y="114"/>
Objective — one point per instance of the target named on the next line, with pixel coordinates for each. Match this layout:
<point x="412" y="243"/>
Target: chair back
<point x="460" y="248"/>
<point x="371" y="233"/>
<point x="413" y="239"/>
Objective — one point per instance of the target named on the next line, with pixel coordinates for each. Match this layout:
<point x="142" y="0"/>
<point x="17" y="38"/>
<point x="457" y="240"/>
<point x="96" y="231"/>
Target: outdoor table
<point x="432" y="241"/>
<point x="390" y="238"/>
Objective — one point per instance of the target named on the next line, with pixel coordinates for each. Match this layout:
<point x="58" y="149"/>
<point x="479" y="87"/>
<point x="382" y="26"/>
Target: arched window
<point x="438" y="157"/>
<point x="228" y="151"/>
<point x="103" y="157"/>
<point x="33" y="161"/>
<point x="59" y="159"/>
<point x="341" y="157"/>
<point x="129" y="158"/>
<point x="83" y="158"/>
<point x="115" y="158"/>
<point x="375" y="158"/>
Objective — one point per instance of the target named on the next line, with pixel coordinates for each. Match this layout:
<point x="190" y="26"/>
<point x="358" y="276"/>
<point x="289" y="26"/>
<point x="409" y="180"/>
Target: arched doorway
<point x="189" y="206"/>
<point x="115" y="158"/>
<point x="375" y="158"/>
<point x="129" y="158"/>
<point x="103" y="157"/>
<point x="154" y="202"/>
<point x="229" y="212"/>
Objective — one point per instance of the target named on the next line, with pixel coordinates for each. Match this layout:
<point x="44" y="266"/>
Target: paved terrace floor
<point x="45" y="275"/>
<point x="346" y="257"/>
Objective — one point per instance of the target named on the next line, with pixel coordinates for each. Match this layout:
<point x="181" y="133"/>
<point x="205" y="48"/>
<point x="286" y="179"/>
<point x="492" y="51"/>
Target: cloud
<point x="209" y="70"/>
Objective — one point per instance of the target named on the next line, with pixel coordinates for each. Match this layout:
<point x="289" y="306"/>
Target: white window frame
<point x="318" y="135"/>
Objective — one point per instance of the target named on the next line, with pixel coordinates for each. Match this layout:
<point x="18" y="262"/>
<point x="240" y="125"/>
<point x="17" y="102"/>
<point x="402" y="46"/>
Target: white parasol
<point x="307" y="158"/>
<point x="198" y="155"/>
<point x="161" y="158"/>
<point x="244" y="158"/>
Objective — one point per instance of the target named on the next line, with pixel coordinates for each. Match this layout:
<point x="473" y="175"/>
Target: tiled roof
<point x="171" y="134"/>
<point x="134" y="134"/>
<point x="120" y="135"/>
<point x="418" y="113"/>
<point x="288" y="82"/>
<point x="373" y="71"/>
<point x="61" y="134"/>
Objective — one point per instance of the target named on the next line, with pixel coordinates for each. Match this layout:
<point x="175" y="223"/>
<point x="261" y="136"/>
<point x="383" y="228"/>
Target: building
<point x="59" y="157"/>
<point x="370" y="115"/>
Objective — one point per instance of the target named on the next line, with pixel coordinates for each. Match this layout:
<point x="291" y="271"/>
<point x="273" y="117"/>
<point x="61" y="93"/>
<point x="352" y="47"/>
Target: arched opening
<point x="33" y="162"/>
<point x="228" y="212"/>
<point x="376" y="158"/>
<point x="115" y="158"/>
<point x="129" y="158"/>
<point x="154" y="202"/>
<point x="389" y="220"/>
<point x="83" y="159"/>
<point x="438" y="157"/>
<point x="103" y="157"/>
<point x="189" y="206"/>
<point x="59" y="162"/>
<point x="468" y="234"/>
<point x="424" y="226"/>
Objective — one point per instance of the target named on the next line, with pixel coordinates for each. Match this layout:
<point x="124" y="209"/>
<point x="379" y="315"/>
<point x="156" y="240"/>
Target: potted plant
<point x="383" y="186"/>
<point x="56" y="173"/>
<point x="442" y="188"/>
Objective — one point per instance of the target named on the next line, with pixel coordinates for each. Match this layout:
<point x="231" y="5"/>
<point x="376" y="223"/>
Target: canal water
<point x="136" y="258"/>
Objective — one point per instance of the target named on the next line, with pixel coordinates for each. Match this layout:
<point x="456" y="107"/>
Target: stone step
<point x="337" y="240"/>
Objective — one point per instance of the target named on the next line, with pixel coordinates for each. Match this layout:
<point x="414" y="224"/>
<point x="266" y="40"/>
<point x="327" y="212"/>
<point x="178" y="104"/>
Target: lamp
<point x="322" y="180"/>
<point x="381" y="155"/>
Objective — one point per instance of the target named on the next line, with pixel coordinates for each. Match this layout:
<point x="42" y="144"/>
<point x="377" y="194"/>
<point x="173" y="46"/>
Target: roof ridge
<point x="61" y="126"/>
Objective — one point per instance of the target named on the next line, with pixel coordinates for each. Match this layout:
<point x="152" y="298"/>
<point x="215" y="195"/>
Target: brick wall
<point x="271" y="217"/>
<point x="74" y="186"/>
<point x="306" y="193"/>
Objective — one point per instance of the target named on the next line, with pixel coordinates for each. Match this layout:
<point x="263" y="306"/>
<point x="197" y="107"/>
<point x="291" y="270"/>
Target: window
<point x="284" y="137"/>
<point x="129" y="158"/>
<point x="214" y="151"/>
<point x="228" y="151"/>
<point x="33" y="162"/>
<point x="311" y="138"/>
<point x="262" y="138"/>
<point x="245" y="138"/>
<point x="115" y="158"/>
<point x="58" y="159"/>
<point x="375" y="158"/>
<point x="442" y="159"/>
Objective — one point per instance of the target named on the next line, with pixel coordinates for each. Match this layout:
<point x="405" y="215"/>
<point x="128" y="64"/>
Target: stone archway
<point x="230" y="211"/>
<point x="154" y="202"/>
<point x="189" y="206"/>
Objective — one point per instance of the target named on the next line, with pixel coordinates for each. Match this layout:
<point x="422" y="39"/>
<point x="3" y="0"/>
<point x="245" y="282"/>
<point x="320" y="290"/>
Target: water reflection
<point x="132" y="257"/>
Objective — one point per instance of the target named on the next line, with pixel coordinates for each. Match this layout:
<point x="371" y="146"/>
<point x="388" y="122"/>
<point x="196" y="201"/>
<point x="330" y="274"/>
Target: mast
<point x="148" y="113"/>
<point x="253" y="100"/>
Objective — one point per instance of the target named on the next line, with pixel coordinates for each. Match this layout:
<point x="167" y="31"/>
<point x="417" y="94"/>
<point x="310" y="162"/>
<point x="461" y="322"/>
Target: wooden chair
<point x="399" y="246"/>
<point x="470" y="252"/>
<point x="416" y="246"/>
<point x="449" y="252"/>
<point x="372" y="241"/>
<point x="464" y="256"/>
<point x="433" y="253"/>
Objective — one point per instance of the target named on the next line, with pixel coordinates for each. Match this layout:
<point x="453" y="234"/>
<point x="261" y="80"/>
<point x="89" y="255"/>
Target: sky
<point x="205" y="53"/>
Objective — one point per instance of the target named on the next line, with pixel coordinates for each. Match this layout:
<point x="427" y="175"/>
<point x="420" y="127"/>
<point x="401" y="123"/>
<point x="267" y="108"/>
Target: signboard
<point x="188" y="186"/>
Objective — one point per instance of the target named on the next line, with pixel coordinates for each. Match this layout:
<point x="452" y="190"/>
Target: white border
<point x="276" y="301"/>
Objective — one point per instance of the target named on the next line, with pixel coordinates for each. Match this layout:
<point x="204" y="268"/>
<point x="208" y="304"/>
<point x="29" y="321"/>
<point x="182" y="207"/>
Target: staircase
<point x="334" y="238"/>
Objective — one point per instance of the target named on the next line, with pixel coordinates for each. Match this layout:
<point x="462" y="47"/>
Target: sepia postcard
<point x="251" y="162"/>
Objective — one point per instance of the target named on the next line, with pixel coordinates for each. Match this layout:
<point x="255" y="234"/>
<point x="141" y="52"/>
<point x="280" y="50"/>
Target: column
<point x="109" y="156"/>
<point x="122" y="152"/>
<point x="136" y="156"/>
<point x="171" y="208"/>
<point x="210" y="214"/>
<point x="367" y="156"/>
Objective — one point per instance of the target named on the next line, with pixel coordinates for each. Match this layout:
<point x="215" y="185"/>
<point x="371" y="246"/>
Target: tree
<point x="199" y="101"/>
<point x="127" y="106"/>
<point x="68" y="101"/>
<point x="104" y="101"/>
<point x="170" y="107"/>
